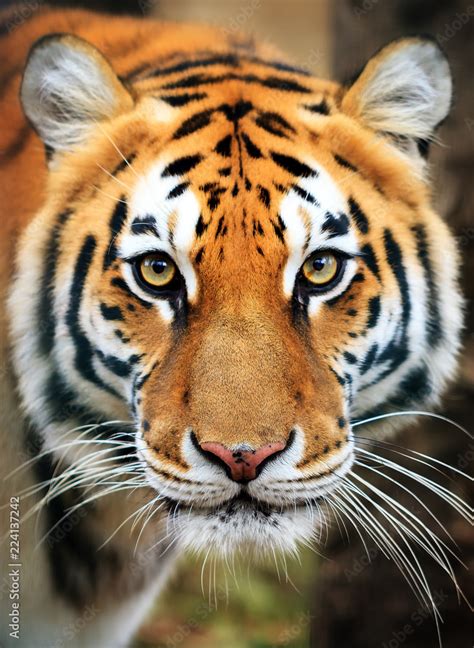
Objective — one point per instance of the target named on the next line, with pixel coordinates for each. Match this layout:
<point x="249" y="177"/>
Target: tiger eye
<point x="157" y="270"/>
<point x="321" y="269"/>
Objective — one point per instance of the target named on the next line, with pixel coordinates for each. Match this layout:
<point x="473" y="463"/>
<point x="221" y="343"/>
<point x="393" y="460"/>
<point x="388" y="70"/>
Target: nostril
<point x="241" y="463"/>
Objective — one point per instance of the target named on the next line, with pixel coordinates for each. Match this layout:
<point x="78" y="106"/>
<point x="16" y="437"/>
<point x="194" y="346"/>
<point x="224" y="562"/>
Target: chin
<point x="244" y="526"/>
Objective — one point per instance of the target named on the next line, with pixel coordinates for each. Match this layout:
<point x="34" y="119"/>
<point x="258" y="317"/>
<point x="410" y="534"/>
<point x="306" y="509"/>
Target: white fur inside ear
<point x="66" y="89"/>
<point x="405" y="91"/>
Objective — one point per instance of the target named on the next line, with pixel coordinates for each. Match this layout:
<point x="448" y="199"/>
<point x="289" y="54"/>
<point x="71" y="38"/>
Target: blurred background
<point x="350" y="597"/>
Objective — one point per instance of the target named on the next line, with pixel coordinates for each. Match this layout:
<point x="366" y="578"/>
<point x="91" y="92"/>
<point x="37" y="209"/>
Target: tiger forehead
<point x="248" y="160"/>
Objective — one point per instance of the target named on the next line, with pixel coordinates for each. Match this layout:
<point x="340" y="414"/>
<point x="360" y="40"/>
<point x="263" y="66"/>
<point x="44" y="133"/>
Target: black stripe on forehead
<point x="276" y="83"/>
<point x="117" y="220"/>
<point x="182" y="165"/>
<point x="230" y="60"/>
<point x="306" y="195"/>
<point x="194" y="124"/>
<point x="176" y="101"/>
<point x="293" y="166"/>
<point x="274" y="123"/>
<point x="320" y="108"/>
<point x="335" y="225"/>
<point x="144" y="225"/>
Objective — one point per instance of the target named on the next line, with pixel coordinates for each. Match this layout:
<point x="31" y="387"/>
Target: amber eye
<point x="156" y="270"/>
<point x="321" y="269"/>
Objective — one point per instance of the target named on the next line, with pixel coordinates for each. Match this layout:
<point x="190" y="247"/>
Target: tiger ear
<point x="404" y="92"/>
<point x="68" y="86"/>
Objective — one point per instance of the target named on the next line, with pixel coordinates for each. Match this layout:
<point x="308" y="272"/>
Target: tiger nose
<point x="241" y="464"/>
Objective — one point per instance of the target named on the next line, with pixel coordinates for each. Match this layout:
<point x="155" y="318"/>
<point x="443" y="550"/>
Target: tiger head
<point x="242" y="260"/>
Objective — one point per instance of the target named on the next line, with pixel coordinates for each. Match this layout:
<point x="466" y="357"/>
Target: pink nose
<point x="243" y="464"/>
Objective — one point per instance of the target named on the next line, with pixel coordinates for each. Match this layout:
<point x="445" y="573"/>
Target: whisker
<point x="413" y="413"/>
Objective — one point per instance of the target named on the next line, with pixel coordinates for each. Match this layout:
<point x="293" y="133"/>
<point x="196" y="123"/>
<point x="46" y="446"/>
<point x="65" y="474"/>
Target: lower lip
<point x="243" y="502"/>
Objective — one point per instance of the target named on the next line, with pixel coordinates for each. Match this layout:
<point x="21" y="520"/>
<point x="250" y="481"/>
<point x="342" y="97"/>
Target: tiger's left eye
<point x="321" y="269"/>
<point x="156" y="271"/>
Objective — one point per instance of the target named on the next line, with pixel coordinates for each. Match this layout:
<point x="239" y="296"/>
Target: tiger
<point x="214" y="265"/>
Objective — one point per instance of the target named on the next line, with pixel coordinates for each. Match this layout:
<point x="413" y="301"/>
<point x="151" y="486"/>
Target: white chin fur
<point x="245" y="531"/>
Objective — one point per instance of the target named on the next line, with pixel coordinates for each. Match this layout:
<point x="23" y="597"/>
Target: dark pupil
<point x="319" y="264"/>
<point x="158" y="266"/>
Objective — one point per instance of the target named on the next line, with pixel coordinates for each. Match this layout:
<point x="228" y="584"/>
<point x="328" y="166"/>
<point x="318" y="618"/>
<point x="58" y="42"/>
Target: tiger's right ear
<point x="68" y="86"/>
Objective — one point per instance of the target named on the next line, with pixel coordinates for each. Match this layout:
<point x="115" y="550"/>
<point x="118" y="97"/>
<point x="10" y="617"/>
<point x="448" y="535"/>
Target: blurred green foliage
<point x="237" y="606"/>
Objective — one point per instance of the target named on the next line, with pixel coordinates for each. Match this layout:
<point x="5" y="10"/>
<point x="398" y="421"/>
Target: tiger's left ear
<point x="68" y="87"/>
<point x="403" y="92"/>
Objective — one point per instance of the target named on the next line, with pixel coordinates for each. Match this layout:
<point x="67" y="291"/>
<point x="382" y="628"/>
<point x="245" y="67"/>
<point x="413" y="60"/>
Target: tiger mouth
<point x="243" y="503"/>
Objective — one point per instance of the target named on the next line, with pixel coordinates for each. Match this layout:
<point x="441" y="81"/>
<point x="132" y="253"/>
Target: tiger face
<point x="240" y="259"/>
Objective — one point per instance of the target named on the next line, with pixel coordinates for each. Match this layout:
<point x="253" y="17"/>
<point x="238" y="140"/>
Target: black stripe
<point x="114" y="364"/>
<point x="374" y="311"/>
<point x="118" y="282"/>
<point x="335" y="225"/>
<point x="281" y="66"/>
<point x="46" y="316"/>
<point x="345" y="163"/>
<point x="177" y="191"/>
<point x="223" y="146"/>
<point x="183" y="99"/>
<point x="193" y="124"/>
<point x="113" y="313"/>
<point x="123" y="164"/>
<point x="276" y="83"/>
<point x="144" y="225"/>
<point x="435" y="331"/>
<point x="226" y="59"/>
<point x="278" y="231"/>
<point x="306" y="195"/>
<point x="251" y="148"/>
<point x="350" y="357"/>
<point x="293" y="166"/>
<point x="264" y="195"/>
<point x="182" y="165"/>
<point x="219" y="226"/>
<point x="397" y="351"/>
<point x="63" y="403"/>
<point x="83" y="351"/>
<point x="201" y="226"/>
<point x="360" y="219"/>
<point x="321" y="108"/>
<point x="274" y="123"/>
<point x="236" y="111"/>
<point x="370" y="260"/>
<point x="117" y="221"/>
<point x="369" y="359"/>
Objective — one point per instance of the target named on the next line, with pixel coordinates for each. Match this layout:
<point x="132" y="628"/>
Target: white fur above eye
<point x="67" y="87"/>
<point x="405" y="90"/>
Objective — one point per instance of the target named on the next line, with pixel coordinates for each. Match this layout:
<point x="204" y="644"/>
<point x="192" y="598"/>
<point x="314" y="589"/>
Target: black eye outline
<point x="304" y="285"/>
<point x="174" y="289"/>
